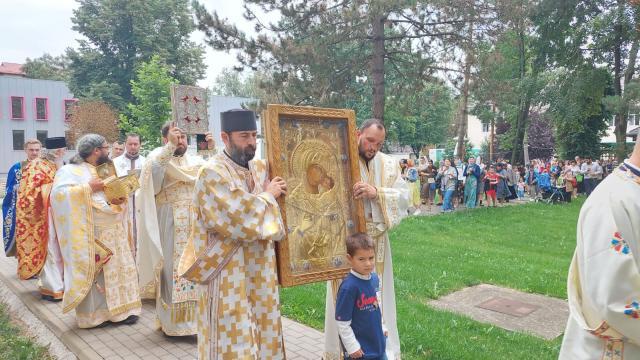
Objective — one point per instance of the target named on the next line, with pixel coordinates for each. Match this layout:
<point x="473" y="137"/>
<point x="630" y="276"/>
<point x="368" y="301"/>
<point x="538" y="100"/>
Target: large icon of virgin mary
<point x="315" y="215"/>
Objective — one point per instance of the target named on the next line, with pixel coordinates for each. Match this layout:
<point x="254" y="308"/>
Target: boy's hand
<point x="386" y="334"/>
<point x="357" y="355"/>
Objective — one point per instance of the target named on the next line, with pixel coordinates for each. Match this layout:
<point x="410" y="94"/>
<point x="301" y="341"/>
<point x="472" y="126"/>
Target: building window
<point x="68" y="108"/>
<point x="41" y="135"/>
<point x="18" y="139"/>
<point x="17" y="107"/>
<point x="632" y="119"/>
<point x="42" y="108"/>
<point x="486" y="127"/>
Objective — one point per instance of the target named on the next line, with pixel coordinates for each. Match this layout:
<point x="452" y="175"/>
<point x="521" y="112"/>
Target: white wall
<point x="55" y="91"/>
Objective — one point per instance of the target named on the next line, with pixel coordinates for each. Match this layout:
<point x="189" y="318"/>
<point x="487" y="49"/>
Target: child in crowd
<point x="521" y="188"/>
<point x="491" y="185"/>
<point x="358" y="314"/>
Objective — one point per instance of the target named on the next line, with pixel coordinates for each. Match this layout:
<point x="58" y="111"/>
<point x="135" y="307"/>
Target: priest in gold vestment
<point x="36" y="243"/>
<point x="100" y="275"/>
<point x="32" y="212"/>
<point x="231" y="250"/>
<point x="165" y="217"/>
<point x="386" y="202"/>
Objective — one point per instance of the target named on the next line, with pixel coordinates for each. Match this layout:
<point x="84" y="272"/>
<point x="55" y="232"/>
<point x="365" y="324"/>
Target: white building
<point x="633" y="122"/>
<point x="29" y="108"/>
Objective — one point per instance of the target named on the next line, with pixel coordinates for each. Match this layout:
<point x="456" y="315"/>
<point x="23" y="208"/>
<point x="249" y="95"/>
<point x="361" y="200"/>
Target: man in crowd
<point x="100" y="275"/>
<point x="603" y="291"/>
<point x="37" y="247"/>
<point x="130" y="161"/>
<point x="386" y="200"/>
<point x="165" y="218"/>
<point x="591" y="172"/>
<point x="32" y="148"/>
<point x="231" y="249"/>
<point x="117" y="149"/>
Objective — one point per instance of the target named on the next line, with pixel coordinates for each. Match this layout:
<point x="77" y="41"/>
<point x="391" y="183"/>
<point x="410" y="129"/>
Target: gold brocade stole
<point x="32" y="220"/>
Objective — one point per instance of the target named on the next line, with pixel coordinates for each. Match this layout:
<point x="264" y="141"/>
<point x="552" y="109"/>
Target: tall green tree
<point x="152" y="106"/>
<point x="322" y="47"/>
<point x="119" y="35"/>
<point x="580" y="33"/>
<point x="575" y="100"/>
<point x="509" y="82"/>
<point x="421" y="118"/>
<point x="47" y="67"/>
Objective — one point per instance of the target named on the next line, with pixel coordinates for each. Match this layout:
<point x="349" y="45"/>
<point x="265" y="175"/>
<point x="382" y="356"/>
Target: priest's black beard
<point x="179" y="151"/>
<point x="102" y="160"/>
<point x="242" y="156"/>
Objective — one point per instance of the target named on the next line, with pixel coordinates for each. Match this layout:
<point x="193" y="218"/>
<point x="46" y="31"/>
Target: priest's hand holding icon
<point x="362" y="190"/>
<point x="277" y="187"/>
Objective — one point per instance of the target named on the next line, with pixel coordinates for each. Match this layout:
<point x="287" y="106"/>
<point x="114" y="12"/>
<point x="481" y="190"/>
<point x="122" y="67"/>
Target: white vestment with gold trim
<point x="164" y="219"/>
<point x="86" y="223"/>
<point x="231" y="252"/>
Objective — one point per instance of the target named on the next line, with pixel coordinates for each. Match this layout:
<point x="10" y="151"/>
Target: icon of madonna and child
<point x="316" y="212"/>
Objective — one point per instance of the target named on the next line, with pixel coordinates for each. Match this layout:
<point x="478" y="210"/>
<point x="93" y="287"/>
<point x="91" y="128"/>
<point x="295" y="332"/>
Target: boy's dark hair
<point x="359" y="241"/>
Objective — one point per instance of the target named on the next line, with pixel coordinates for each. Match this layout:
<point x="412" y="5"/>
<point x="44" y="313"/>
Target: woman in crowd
<point x="414" y="184"/>
<point x="449" y="179"/>
<point x="428" y="175"/>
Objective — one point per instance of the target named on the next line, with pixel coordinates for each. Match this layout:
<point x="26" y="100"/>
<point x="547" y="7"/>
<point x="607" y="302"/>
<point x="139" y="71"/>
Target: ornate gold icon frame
<point x="315" y="150"/>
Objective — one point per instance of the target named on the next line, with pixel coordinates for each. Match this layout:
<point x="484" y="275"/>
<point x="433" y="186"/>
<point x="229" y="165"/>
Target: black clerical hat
<point x="238" y="120"/>
<point x="55" y="143"/>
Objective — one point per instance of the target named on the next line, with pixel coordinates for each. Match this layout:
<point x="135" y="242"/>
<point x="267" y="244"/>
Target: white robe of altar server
<point x="123" y="165"/>
<point x="381" y="214"/>
<point x="604" y="280"/>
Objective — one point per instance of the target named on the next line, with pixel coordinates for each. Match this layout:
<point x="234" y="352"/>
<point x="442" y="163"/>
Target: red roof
<point x="7" y="68"/>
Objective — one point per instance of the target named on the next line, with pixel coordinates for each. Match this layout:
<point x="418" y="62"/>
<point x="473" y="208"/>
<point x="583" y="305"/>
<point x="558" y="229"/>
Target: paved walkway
<point x="139" y="341"/>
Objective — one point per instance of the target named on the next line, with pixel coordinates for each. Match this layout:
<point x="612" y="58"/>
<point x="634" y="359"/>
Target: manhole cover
<point x="508" y="306"/>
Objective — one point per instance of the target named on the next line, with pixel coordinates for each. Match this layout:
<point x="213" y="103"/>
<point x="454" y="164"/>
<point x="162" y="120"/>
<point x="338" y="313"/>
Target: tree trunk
<point x="377" y="68"/>
<point x="524" y="103"/>
<point x="464" y="116"/>
<point x="493" y="133"/>
<point x="620" y="119"/>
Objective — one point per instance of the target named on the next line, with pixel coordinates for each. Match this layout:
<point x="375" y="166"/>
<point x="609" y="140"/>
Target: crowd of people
<point x="198" y="238"/>
<point x="474" y="183"/>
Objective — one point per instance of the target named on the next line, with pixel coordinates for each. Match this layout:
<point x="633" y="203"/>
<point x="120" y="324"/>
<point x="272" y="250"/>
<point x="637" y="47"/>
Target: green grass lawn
<point x="526" y="247"/>
<point x="13" y="346"/>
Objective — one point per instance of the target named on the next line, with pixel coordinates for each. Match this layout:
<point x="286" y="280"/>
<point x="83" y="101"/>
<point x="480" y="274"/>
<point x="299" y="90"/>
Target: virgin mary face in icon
<point x="317" y="179"/>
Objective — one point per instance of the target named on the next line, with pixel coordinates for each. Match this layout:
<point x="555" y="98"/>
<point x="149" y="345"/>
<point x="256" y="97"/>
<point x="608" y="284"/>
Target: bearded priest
<point x="100" y="275"/>
<point x="164" y="219"/>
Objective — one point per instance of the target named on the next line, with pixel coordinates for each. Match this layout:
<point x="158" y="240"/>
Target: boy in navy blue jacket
<point x="358" y="312"/>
